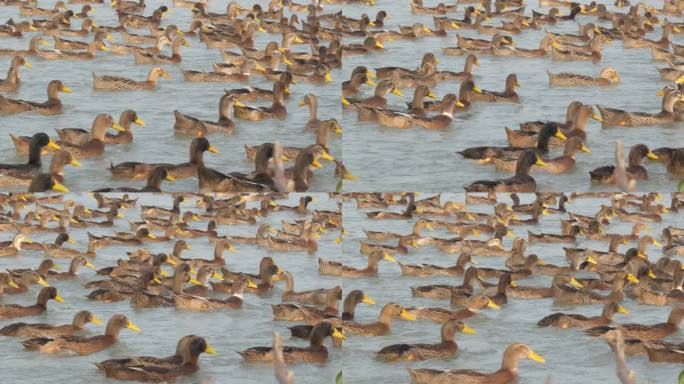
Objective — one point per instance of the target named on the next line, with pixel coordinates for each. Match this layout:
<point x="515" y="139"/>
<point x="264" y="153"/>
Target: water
<point x="571" y="356"/>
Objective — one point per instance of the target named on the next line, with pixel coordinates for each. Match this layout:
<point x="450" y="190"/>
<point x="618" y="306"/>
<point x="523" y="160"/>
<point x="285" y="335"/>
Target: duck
<point x="444" y="119"/>
<point x="95" y="146"/>
<point x="607" y="76"/>
<point x="30" y="330"/>
<point x="571" y="320"/>
<point x="620" y="118"/>
<point x="378" y="100"/>
<point x="146" y="368"/>
<point x="316" y="352"/>
<point x="45" y="182"/>
<point x="507" y="373"/>
<point x="379" y="328"/>
<point x="72" y="273"/>
<point x="443" y="291"/>
<point x="125" y="136"/>
<point x="12" y="311"/>
<point x="32" y="49"/>
<point x="52" y="106"/>
<point x="335" y="268"/>
<point x="508" y="94"/>
<point x="117" y="83"/>
<point x="558" y="53"/>
<point x="297" y="312"/>
<point x="558" y="284"/>
<point x="12" y="82"/>
<point x="277" y="109"/>
<point x="9" y="172"/>
<point x="635" y="171"/>
<point x="314" y="296"/>
<point x="424" y="270"/>
<point x="199" y="303"/>
<point x="142" y="57"/>
<point x="645" y="332"/>
<point x="186" y="124"/>
<point x="82" y="345"/>
<point x="576" y="126"/>
<point x="89" y="54"/>
<point x="444" y="349"/>
<point x="486" y="153"/>
<point x="521" y="182"/>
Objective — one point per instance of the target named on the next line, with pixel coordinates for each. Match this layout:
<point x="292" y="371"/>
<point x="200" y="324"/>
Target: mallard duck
<point x="33" y="167"/>
<point x="190" y="125"/>
<point x="52" y="106"/>
<point x="338" y="269"/>
<point x="508" y="94"/>
<point x="571" y="320"/>
<point x="116" y="83"/>
<point x="27" y="330"/>
<point x="142" y="57"/>
<point x="507" y="373"/>
<point x="424" y="270"/>
<point x="486" y="153"/>
<point x="95" y="146"/>
<point x="168" y="369"/>
<point x="11" y="311"/>
<point x="12" y="82"/>
<point x="277" y="110"/>
<point x="521" y="182"/>
<point x="89" y="54"/>
<point x="443" y="120"/>
<point x="126" y="119"/>
<point x="607" y="76"/>
<point x="446" y="348"/>
<point x="635" y="170"/>
<point x="316" y="352"/>
<point x="45" y="182"/>
<point x="645" y="332"/>
<point x="618" y="117"/>
<point x="379" y="328"/>
<point x="82" y="345"/>
<point x="359" y="76"/>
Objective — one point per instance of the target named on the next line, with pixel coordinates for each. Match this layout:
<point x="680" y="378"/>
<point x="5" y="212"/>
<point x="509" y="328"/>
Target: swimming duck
<point x="316" y="352"/>
<point x="424" y="270"/>
<point x="508" y="94"/>
<point x="116" y="83"/>
<point x="607" y="76"/>
<point x="645" y="332"/>
<point x="72" y="273"/>
<point x="444" y="119"/>
<point x="507" y="373"/>
<point x="571" y="320"/>
<point x="276" y="110"/>
<point x="314" y="296"/>
<point x="558" y="285"/>
<point x="32" y="50"/>
<point x="187" y="124"/>
<point x="95" y="146"/>
<point x="142" y="57"/>
<point x="11" y="311"/>
<point x="446" y="348"/>
<point x="82" y="345"/>
<point x="168" y="369"/>
<point x="297" y="312"/>
<point x="27" y="330"/>
<point x="379" y="328"/>
<point x="12" y="82"/>
<point x="618" y="117"/>
<point x="52" y="106"/>
<point x="126" y="119"/>
<point x="45" y="182"/>
<point x="635" y="170"/>
<point x="89" y="54"/>
<point x="12" y="248"/>
<point x="521" y="182"/>
<point x="338" y="269"/>
<point x="198" y="303"/>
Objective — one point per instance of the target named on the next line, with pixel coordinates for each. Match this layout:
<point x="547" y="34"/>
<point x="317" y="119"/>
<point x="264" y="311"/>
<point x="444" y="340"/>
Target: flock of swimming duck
<point x="280" y="62"/>
<point x="143" y="280"/>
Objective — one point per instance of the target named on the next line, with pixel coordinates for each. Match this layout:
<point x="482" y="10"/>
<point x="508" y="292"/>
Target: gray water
<point x="571" y="357"/>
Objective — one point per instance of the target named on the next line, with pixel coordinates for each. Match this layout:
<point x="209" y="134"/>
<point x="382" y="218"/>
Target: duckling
<point x="316" y="352"/>
<point x="11" y="311"/>
<point x="116" y="83"/>
<point x="27" y="330"/>
<point x="82" y="345"/>
<point x="607" y="76"/>
<point x="338" y="269"/>
<point x="645" y="332"/>
<point x="571" y="320"/>
<point x="508" y="94"/>
<point x="446" y="348"/>
<point x="507" y="373"/>
<point x="521" y="182"/>
<point x="635" y="170"/>
<point x="95" y="146"/>
<point x="277" y="110"/>
<point x="617" y="117"/>
<point x="146" y="368"/>
<point x="52" y="106"/>
<point x="12" y="82"/>
<point x="190" y="125"/>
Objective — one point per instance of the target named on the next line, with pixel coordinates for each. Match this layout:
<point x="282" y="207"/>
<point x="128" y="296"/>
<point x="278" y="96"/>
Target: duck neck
<point x="510" y="363"/>
<point x="34" y="155"/>
<point x="219" y="250"/>
<point x="313" y="108"/>
<point x="75" y="266"/>
<point x="196" y="156"/>
<point x="386" y="316"/>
